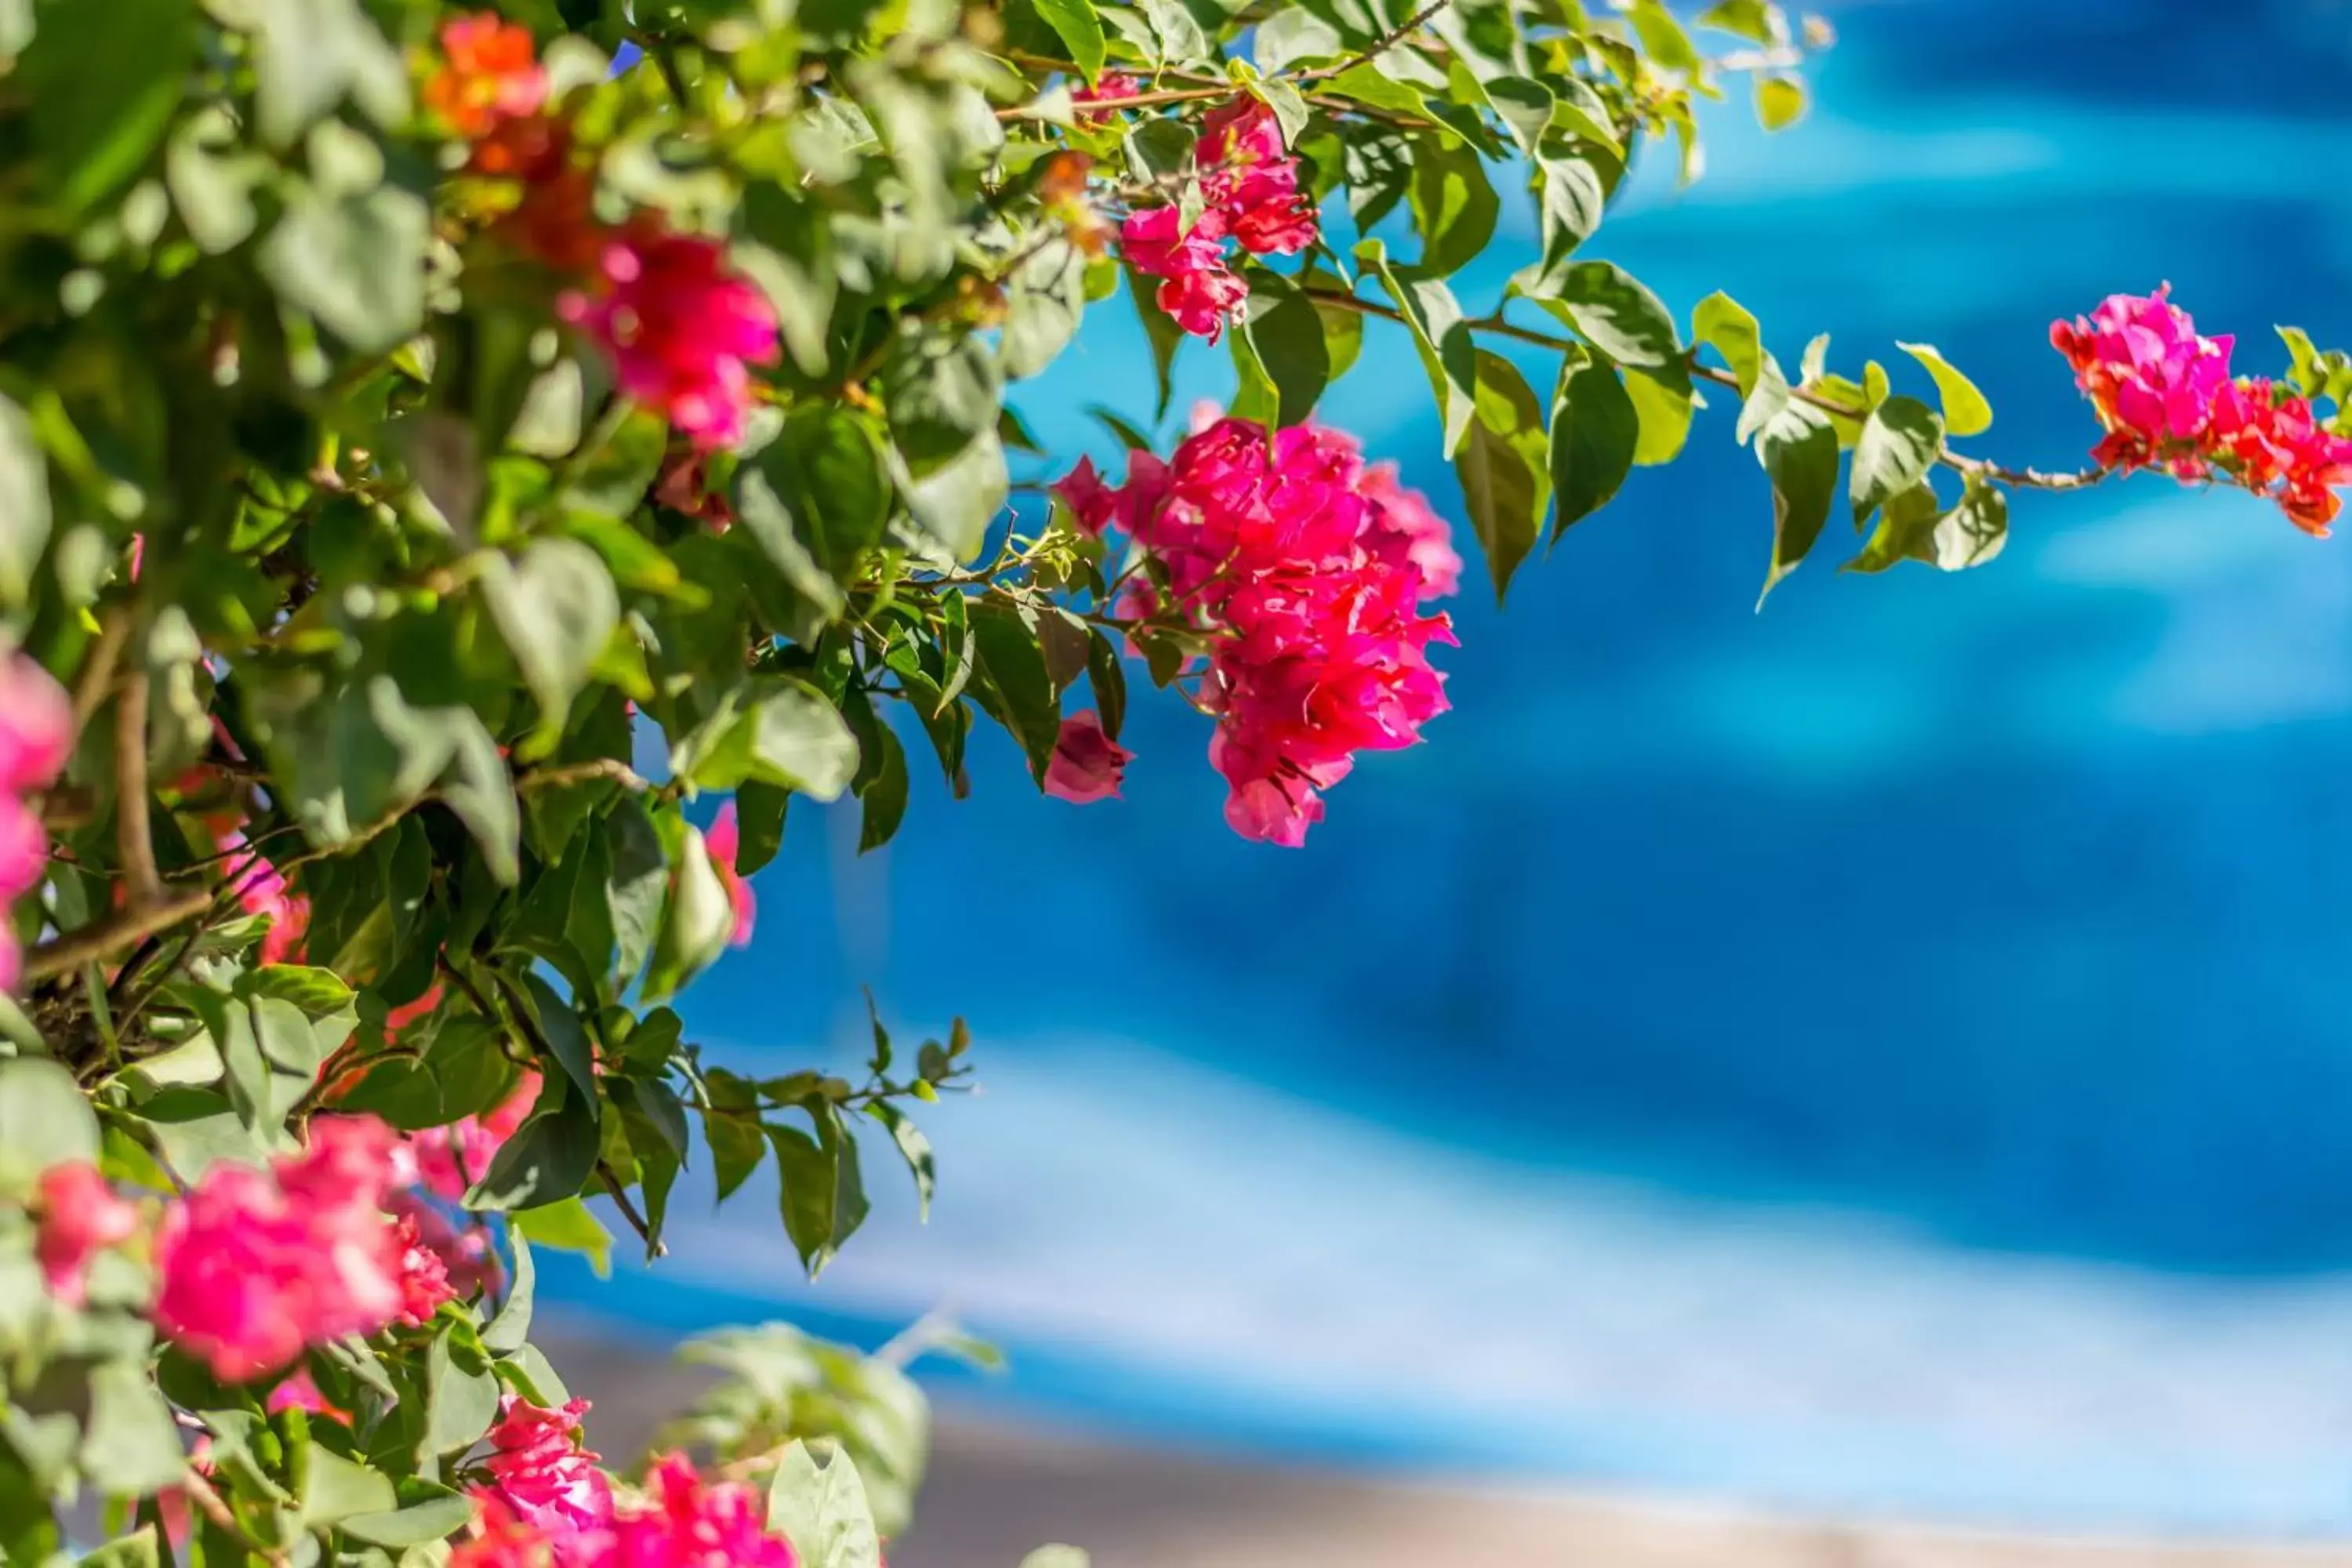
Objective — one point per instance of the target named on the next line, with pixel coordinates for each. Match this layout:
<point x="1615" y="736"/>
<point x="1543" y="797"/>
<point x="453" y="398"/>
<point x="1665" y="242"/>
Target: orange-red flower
<point x="490" y="72"/>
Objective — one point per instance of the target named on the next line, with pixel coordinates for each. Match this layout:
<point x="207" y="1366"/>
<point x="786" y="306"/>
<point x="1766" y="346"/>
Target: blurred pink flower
<point x="681" y="328"/>
<point x="1087" y="765"/>
<point x="687" y="1522"/>
<point x="80" y="1217"/>
<point x="725" y="842"/>
<point x="541" y="1470"/>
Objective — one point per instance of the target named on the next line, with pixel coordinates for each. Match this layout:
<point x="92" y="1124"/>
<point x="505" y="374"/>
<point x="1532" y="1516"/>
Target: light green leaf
<point x="567" y="1226"/>
<point x="354" y="262"/>
<point x="1974" y="531"/>
<point x="334" y="1488"/>
<point x="1966" y="411"/>
<point x="1663" y="405"/>
<point x="1056" y="1557"/>
<point x="1779" y="101"/>
<point x="24" y="518"/>
<point x="1448" y="353"/>
<point x="557" y="607"/>
<point x="511" y="1330"/>
<point x="310" y="54"/>
<point x="695" y="923"/>
<point x="823" y="1512"/>
<point x="1044" y="300"/>
<point x="1594" y="431"/>
<point x="776" y="729"/>
<point x="431" y="1519"/>
<point x="130" y="1443"/>
<point x="1906" y="532"/>
<point x="1179" y="37"/>
<point x="1722" y="324"/>
<point x="44" y="1121"/>
<point x="955" y="504"/>
<point x="1292" y="37"/>
<point x="1080" y="30"/>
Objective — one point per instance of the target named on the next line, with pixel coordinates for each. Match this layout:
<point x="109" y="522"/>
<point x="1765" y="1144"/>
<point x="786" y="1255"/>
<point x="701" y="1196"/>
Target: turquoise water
<point x="1886" y="1051"/>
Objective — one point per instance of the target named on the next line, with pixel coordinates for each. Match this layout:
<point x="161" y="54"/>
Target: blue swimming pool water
<point x="1993" y="923"/>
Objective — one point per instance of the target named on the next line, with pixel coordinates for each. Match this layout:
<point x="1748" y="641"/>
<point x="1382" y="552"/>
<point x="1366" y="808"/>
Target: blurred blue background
<point x="1887" y="1051"/>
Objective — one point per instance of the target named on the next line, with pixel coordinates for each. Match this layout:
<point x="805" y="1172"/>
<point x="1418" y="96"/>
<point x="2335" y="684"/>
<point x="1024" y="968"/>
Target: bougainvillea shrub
<point x="464" y="471"/>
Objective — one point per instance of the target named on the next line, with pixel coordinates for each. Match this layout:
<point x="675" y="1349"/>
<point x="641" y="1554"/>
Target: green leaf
<point x="822" y="1192"/>
<point x="821" y="1509"/>
<point x="1285" y="333"/>
<point x="334" y="1488"/>
<point x="913" y="1146"/>
<point x="511" y="1330"/>
<point x="695" y="923"/>
<point x="1181" y="40"/>
<point x="550" y="1157"/>
<point x="1448" y="353"/>
<point x="559" y="1025"/>
<point x="1043" y="299"/>
<point x="311" y="54"/>
<point x="44" y="1121"/>
<point x="1966" y="411"/>
<point x="760" y="824"/>
<point x="1779" y="101"/>
<point x="1594" y="431"/>
<point x="1662" y="38"/>
<point x="1294" y="35"/>
<point x="1453" y="207"/>
<point x="1663" y="405"/>
<point x="1755" y="20"/>
<point x="354" y="262"/>
<point x="1722" y="324"/>
<point x="942" y="393"/>
<point x="1289" y="106"/>
<point x="955" y="504"/>
<point x="1974" y="531"/>
<point x="1108" y="681"/>
<point x="1906" y="532"/>
<point x="528" y="1369"/>
<point x="432" y="1519"/>
<point x="1898" y="445"/>
<point x="557" y="607"/>
<point x="1800" y="452"/>
<point x="638" y="884"/>
<point x="776" y="730"/>
<point x="24" y="518"/>
<point x="100" y="83"/>
<point x="142" y="1549"/>
<point x="1610" y="309"/>
<point x="885" y="798"/>
<point x="1014" y="665"/>
<point x="1506" y="478"/>
<point x="130" y="1443"/>
<point x="1525" y="106"/>
<point x="1080" y="30"/>
<point x="1056" y="1557"/>
<point x="568" y="1226"/>
<point x="1573" y="184"/>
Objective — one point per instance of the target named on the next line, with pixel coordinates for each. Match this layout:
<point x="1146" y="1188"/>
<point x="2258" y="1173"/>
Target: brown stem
<point x="588" y="772"/>
<point x="134" y="835"/>
<point x="612" y="1189"/>
<point x="75" y="948"/>
<point x="98" y="670"/>
<point x="1388" y="41"/>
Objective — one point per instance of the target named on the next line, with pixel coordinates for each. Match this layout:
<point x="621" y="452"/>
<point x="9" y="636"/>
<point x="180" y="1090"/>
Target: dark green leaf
<point x="885" y="798"/>
<point x="760" y="824"/>
<point x="461" y="1401"/>
<point x="942" y="394"/>
<point x="1906" y="532"/>
<point x="1610" y="309"/>
<point x="549" y="1158"/>
<point x="1594" y="431"/>
<point x="559" y="1025"/>
<point x="1506" y="478"/>
<point x="431" y="1519"/>
<point x="913" y="1145"/>
<point x="1014" y="663"/>
<point x="1285" y="332"/>
<point x="1453" y="207"/>
<point x="1108" y="679"/>
<point x="1800" y="451"/>
<point x="511" y="1328"/>
<point x="1447" y="352"/>
<point x="100" y="82"/>
<point x="638" y="884"/>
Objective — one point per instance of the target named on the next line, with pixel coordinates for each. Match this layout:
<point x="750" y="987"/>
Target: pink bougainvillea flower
<point x="1087" y="763"/>
<point x="1091" y="501"/>
<point x="254" y="1266"/>
<point x="467" y="1261"/>
<point x="262" y="890"/>
<point x="540" y="1470"/>
<point x="502" y="1540"/>
<point x="80" y="1217"/>
<point x="37" y="726"/>
<point x="688" y="1522"/>
<point x="1308" y="570"/>
<point x="2271" y="442"/>
<point x="1196" y="289"/>
<point x="1112" y="84"/>
<point x="725" y="842"/>
<point x="681" y="326"/>
<point x="424" y="1274"/>
<point x="2152" y="379"/>
<point x="299" y="1391"/>
<point x="488" y="73"/>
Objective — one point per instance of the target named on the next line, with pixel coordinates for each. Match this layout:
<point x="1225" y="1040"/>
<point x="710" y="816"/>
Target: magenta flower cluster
<point x="1250" y="189"/>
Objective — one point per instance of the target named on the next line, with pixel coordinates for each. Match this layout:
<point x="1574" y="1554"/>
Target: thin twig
<point x="75" y="948"/>
<point x="98" y="670"/>
<point x="200" y="1491"/>
<point x="594" y="769"/>
<point x="612" y="1189"/>
<point x="1387" y="41"/>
